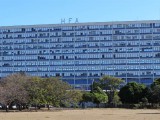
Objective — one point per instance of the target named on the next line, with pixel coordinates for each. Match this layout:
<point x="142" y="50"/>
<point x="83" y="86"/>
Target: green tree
<point x="87" y="97"/>
<point x="94" y="85"/>
<point x="156" y="82"/>
<point x="111" y="84"/>
<point x="153" y="93"/>
<point x="56" y="91"/>
<point x="96" y="96"/>
<point x="52" y="91"/>
<point x="99" y="96"/>
<point x="36" y="91"/>
<point x="156" y="94"/>
<point x="148" y="94"/>
<point x="132" y="92"/>
<point x="116" y="99"/>
<point x="73" y="98"/>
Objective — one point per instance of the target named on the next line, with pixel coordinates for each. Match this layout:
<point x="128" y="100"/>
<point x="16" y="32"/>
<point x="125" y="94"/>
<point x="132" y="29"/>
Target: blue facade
<point x="82" y="52"/>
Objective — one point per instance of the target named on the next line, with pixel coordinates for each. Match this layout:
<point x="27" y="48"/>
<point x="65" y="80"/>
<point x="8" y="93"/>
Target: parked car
<point x="14" y="106"/>
<point x="1" y="106"/>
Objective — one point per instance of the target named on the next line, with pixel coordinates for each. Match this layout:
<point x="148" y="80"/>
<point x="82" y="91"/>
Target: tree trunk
<point x="29" y="107"/>
<point x="98" y="105"/>
<point x="36" y="108"/>
<point x="7" y="107"/>
<point x="48" y="106"/>
<point x="19" y="107"/>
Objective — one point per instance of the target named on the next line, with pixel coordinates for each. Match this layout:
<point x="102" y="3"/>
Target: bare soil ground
<point x="86" y="114"/>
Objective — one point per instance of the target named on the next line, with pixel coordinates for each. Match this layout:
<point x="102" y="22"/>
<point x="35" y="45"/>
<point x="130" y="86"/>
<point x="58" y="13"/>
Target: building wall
<point x="83" y="52"/>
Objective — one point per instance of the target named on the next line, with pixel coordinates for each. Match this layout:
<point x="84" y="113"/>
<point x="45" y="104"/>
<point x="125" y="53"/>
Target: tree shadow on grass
<point x="148" y="113"/>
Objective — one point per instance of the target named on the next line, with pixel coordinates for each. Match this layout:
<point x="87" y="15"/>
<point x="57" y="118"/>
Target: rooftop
<point x="80" y="24"/>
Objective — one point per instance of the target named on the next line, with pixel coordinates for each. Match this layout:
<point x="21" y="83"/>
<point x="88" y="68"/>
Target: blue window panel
<point x="133" y="80"/>
<point x="90" y="81"/>
<point x="147" y="80"/>
<point x="69" y="81"/>
<point x="81" y="81"/>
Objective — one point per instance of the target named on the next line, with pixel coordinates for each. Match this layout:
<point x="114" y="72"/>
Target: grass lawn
<point x="86" y="114"/>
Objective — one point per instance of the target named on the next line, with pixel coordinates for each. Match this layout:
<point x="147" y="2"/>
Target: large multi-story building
<point x="82" y="52"/>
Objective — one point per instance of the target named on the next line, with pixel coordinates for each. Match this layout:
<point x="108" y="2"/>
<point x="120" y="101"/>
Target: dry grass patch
<point x="87" y="114"/>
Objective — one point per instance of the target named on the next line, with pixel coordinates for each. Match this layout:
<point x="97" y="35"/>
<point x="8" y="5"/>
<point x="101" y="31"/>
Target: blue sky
<point x="26" y="12"/>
